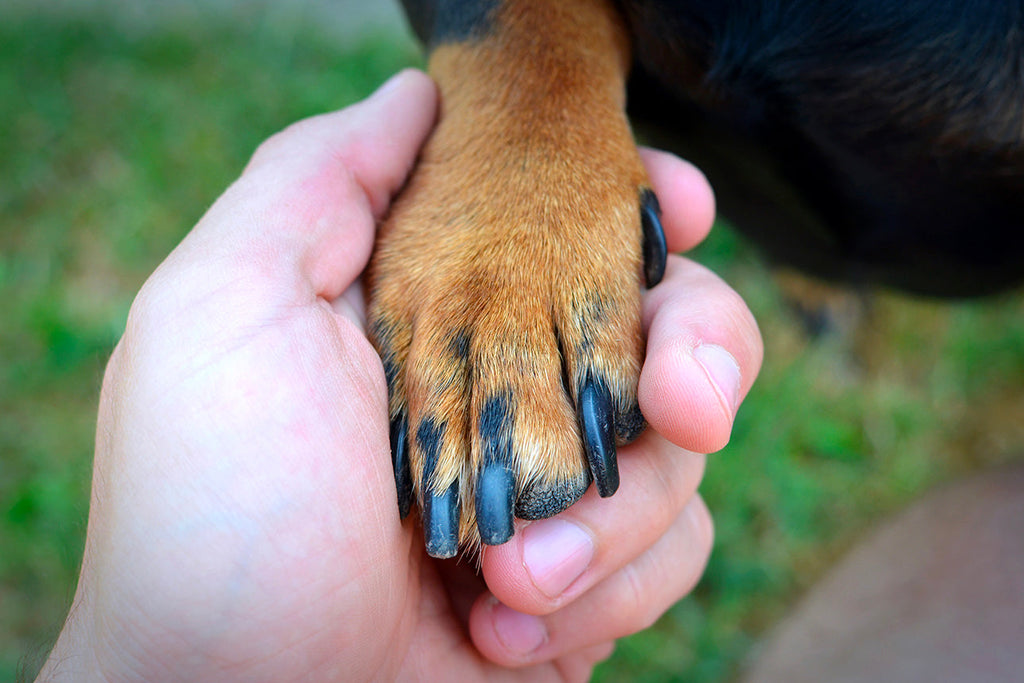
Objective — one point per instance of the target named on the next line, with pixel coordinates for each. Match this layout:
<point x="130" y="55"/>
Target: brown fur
<point x="511" y="263"/>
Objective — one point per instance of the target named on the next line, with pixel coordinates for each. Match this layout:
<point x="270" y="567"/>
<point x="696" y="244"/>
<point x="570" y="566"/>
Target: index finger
<point x="686" y="199"/>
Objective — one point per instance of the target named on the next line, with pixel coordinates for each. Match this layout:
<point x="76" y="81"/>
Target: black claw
<point x="441" y="522"/>
<point x="655" y="248"/>
<point x="400" y="461"/>
<point x="597" y="423"/>
<point x="496" y="484"/>
<point x="440" y="508"/>
<point x="495" y="497"/>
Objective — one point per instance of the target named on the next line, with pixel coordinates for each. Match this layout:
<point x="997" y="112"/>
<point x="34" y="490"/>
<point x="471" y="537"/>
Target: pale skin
<point x="243" y="523"/>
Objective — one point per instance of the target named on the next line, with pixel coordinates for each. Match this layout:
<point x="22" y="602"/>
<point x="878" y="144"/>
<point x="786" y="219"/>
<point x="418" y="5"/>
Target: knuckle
<point x="636" y="604"/>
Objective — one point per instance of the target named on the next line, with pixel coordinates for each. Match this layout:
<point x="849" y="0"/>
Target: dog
<point x="859" y="140"/>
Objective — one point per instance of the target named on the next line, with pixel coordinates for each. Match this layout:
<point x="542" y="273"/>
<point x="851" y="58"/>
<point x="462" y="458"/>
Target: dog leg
<point x="505" y="289"/>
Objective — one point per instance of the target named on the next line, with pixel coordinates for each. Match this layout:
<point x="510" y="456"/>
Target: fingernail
<point x="723" y="371"/>
<point x="520" y="633"/>
<point x="556" y="553"/>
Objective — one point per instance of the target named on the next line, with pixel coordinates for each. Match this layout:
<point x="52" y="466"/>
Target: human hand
<point x="244" y="523"/>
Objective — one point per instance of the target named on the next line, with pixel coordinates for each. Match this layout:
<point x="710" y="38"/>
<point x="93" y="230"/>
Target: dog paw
<point x="505" y="305"/>
<point x="505" y="287"/>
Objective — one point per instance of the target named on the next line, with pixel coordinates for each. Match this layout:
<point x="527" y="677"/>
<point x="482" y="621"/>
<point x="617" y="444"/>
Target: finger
<point x="579" y="666"/>
<point x="570" y="667"/>
<point x="703" y="352"/>
<point x="628" y="601"/>
<point x="595" y="654"/>
<point x="553" y="561"/>
<point x="685" y="196"/>
<point x="306" y="205"/>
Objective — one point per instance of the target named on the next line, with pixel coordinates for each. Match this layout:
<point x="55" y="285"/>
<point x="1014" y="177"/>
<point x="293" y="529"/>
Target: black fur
<point x="866" y="140"/>
<point x="440" y="21"/>
<point x="857" y="139"/>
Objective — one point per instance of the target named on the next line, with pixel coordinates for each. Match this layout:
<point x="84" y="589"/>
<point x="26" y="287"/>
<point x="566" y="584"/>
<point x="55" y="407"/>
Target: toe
<point x="545" y="499"/>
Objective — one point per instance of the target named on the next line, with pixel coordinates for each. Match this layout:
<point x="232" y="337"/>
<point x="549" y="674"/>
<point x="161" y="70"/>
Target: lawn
<point x="114" y="141"/>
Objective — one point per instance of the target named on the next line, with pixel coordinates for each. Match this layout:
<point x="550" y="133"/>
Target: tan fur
<point x="520" y="227"/>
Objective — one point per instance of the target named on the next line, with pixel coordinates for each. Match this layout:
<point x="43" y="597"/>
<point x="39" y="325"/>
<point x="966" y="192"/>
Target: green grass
<point x="112" y="144"/>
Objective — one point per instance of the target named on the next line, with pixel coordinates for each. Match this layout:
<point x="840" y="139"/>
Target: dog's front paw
<point x="505" y="305"/>
<point x="505" y="289"/>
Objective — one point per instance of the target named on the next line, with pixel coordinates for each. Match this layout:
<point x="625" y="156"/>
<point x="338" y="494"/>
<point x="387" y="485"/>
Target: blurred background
<point x="122" y="120"/>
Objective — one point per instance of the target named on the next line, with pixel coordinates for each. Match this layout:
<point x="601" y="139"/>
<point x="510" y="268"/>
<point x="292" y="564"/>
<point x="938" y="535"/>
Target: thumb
<point x="306" y="206"/>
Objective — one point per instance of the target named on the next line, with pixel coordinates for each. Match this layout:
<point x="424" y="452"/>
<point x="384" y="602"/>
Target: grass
<point x="113" y="142"/>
